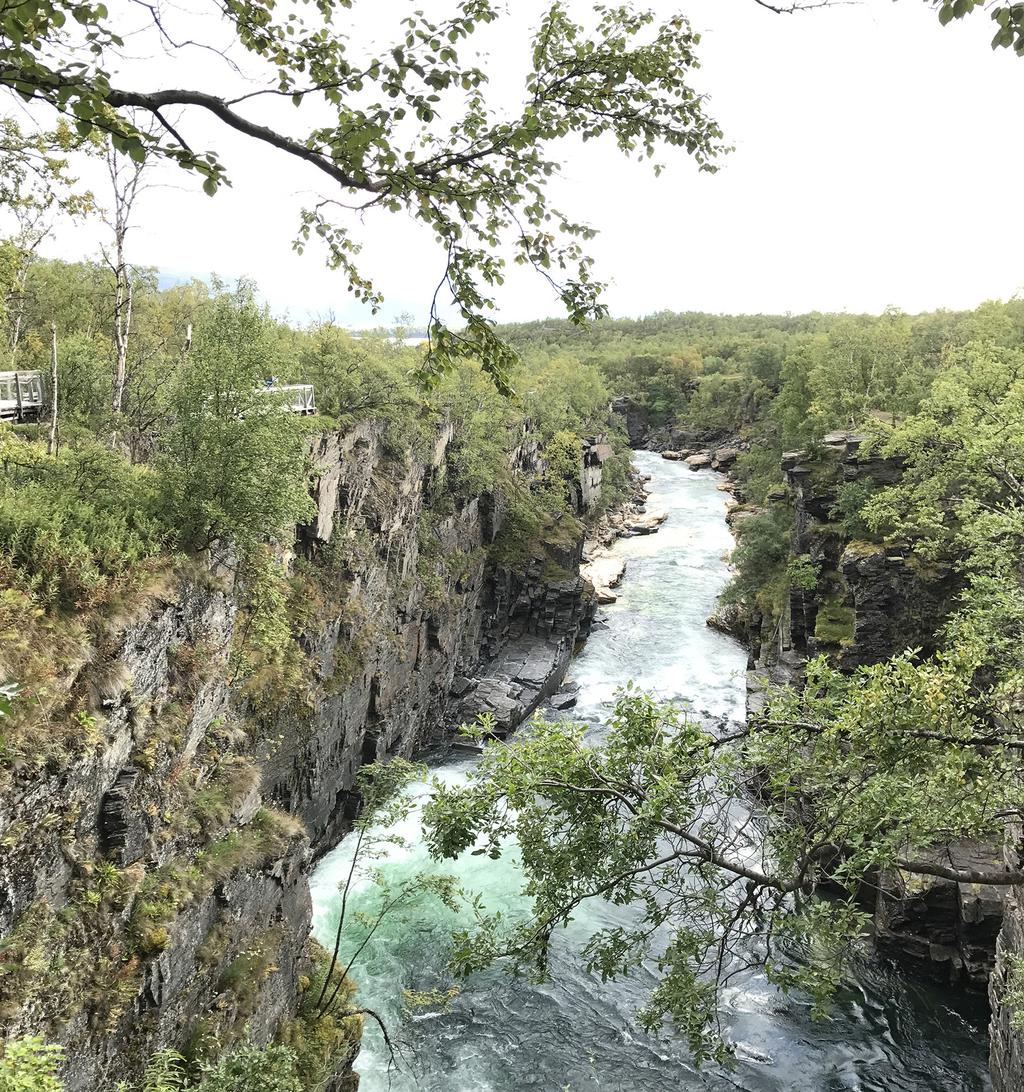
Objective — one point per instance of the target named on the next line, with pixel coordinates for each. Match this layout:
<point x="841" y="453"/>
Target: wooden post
<point x="53" y="389"/>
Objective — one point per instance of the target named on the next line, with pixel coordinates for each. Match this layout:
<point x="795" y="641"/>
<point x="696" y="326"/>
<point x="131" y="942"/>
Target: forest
<point x="784" y="382"/>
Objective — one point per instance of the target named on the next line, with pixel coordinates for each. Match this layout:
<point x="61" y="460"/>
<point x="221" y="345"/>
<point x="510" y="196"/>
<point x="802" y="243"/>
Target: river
<point x="885" y="1033"/>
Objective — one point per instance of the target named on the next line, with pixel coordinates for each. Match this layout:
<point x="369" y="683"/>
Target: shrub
<point x="74" y="526"/>
<point x="322" y="1042"/>
<point x="851" y="497"/>
<point x="761" y="560"/>
<point x="30" y="1065"/>
<point x="166" y="1072"/>
<point x="254" y="1069"/>
<point x="233" y="464"/>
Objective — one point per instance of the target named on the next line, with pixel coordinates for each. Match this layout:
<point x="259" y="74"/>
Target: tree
<point x="861" y="367"/>
<point x="855" y="773"/>
<point x="35" y="188"/>
<point x="125" y="183"/>
<point x="1009" y="18"/>
<point x="409" y="130"/>
<point x="233" y="465"/>
<point x="54" y="390"/>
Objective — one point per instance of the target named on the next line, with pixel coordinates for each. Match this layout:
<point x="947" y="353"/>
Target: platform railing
<point x="21" y="396"/>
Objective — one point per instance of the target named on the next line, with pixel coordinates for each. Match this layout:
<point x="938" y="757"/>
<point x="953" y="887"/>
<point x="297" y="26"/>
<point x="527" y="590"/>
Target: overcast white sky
<point x="879" y="160"/>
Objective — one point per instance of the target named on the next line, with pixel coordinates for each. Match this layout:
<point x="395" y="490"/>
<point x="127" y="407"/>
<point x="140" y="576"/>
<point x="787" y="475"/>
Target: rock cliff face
<point x="153" y="891"/>
<point x="868" y="601"/>
<point x="1006" y="986"/>
<point x="861" y="603"/>
<point x="634" y="418"/>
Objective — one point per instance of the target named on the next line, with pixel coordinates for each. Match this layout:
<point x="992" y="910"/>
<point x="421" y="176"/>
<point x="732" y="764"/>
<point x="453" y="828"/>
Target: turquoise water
<point x="574" y="1034"/>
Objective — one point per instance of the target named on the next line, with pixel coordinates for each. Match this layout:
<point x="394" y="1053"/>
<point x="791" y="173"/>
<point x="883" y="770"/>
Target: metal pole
<point x="53" y="383"/>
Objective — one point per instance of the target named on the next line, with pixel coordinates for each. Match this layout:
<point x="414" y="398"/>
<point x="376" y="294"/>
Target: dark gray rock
<point x="460" y="684"/>
<point x="115" y="819"/>
<point x="724" y="457"/>
<point x="947" y="929"/>
<point x="634" y="417"/>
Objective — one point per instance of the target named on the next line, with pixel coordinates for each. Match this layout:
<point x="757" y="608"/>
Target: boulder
<point x="727" y="619"/>
<point x="844" y="440"/>
<point x="460" y="685"/>
<point x="673" y="456"/>
<point x="604" y="571"/>
<point x="646" y="523"/>
<point x="724" y="457"/>
<point x="698" y="461"/>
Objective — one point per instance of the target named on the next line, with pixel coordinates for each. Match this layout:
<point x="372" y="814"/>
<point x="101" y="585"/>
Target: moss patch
<point x="834" y="624"/>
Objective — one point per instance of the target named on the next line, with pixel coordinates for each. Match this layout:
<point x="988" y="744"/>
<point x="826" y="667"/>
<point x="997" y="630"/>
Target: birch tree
<point x="125" y="184"/>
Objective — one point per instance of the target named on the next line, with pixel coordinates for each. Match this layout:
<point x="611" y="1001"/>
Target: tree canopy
<point x="1009" y="18"/>
<point x="410" y="129"/>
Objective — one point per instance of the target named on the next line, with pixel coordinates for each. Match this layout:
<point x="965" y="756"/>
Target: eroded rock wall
<point x="1006" y="986"/>
<point x="153" y="890"/>
<point x="861" y="602"/>
<point x="868" y="600"/>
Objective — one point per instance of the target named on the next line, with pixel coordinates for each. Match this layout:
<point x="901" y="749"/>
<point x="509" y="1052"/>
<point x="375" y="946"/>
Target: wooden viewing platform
<point x="21" y="396"/>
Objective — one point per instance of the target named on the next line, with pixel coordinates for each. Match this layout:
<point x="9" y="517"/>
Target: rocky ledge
<point x="719" y="458"/>
<point x="525" y="673"/>
<point x="603" y="569"/>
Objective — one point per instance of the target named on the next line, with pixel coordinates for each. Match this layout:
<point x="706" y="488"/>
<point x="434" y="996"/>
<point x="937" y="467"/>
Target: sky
<point x="878" y="162"/>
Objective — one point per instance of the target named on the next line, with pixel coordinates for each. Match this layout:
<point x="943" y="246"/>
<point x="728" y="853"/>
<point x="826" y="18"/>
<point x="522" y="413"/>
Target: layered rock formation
<point x="949" y="928"/>
<point x="153" y="891"/>
<point x="868" y="600"/>
<point x="864" y="600"/>
<point x="861" y="602"/>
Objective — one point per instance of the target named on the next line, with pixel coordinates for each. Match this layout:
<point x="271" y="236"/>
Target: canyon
<point x="155" y="893"/>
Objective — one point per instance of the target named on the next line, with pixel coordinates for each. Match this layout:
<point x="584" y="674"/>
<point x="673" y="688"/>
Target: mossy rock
<point x="834" y="624"/>
<point x="861" y="548"/>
